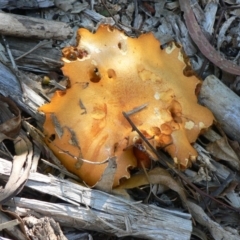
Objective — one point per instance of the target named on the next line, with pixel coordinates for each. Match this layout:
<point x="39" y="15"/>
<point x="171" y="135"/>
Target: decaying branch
<point x="224" y="104"/>
<point x="28" y="27"/>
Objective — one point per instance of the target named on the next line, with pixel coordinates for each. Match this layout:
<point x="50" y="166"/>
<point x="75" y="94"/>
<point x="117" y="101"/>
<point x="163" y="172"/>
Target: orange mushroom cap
<point x="110" y="73"/>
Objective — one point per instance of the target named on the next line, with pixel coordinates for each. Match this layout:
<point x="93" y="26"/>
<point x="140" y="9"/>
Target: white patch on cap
<point x="170" y="48"/>
<point x="157" y="112"/>
<point x="180" y="57"/>
<point x="93" y="62"/>
<point x="157" y="95"/>
<point x="201" y="125"/>
<point x="189" y="125"/>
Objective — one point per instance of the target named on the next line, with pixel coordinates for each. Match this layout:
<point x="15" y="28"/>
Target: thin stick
<point x="40" y="44"/>
<point x="145" y="139"/>
<point x="9" y="53"/>
<point x="136" y="109"/>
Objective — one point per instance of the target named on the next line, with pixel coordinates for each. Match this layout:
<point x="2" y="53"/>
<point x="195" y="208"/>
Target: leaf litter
<point x="166" y="25"/>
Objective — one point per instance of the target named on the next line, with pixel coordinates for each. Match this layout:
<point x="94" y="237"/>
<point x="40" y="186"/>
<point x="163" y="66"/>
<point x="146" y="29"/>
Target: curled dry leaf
<point x="202" y="42"/>
<point x="20" y="171"/>
<point x="10" y="118"/>
<point x="222" y="150"/>
<point x="154" y="176"/>
<point x="231" y="195"/>
<point x="107" y="178"/>
<point x="110" y="73"/>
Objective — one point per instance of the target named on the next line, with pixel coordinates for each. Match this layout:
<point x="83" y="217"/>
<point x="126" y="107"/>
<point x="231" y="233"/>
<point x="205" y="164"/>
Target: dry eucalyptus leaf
<point x="231" y="196"/>
<point x="10" y="118"/>
<point x="233" y="199"/>
<point x="202" y="42"/>
<point x="199" y="234"/>
<point x="222" y="150"/>
<point x="232" y="2"/>
<point x="236" y="12"/>
<point x="106" y="182"/>
<point x="155" y="176"/>
<point x="235" y="146"/>
<point x="20" y="171"/>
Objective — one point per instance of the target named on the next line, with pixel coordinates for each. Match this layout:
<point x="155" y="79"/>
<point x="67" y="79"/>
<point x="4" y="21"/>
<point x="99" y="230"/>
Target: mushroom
<point x="111" y="73"/>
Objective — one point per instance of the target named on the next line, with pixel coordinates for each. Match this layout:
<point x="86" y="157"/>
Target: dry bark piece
<point x="43" y="228"/>
<point x="224" y="103"/>
<point x="111" y="73"/>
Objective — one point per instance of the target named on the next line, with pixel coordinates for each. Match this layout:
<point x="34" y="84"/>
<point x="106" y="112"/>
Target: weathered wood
<point x="29" y="27"/>
<point x="13" y="230"/>
<point x="32" y="54"/>
<point x="43" y="228"/>
<point x="224" y="104"/>
<point x="17" y="88"/>
<point x="95" y="210"/>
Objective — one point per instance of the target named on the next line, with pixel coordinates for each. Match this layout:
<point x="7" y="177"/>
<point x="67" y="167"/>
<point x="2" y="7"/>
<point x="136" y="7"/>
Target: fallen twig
<point x="203" y="44"/>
